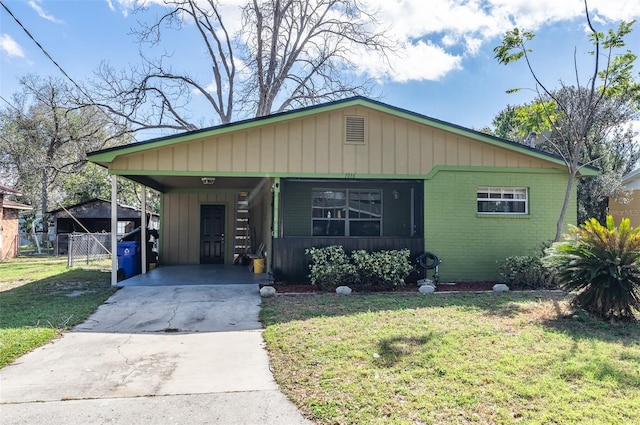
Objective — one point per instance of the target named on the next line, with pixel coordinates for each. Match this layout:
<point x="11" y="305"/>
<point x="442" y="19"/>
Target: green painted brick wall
<point x="469" y="243"/>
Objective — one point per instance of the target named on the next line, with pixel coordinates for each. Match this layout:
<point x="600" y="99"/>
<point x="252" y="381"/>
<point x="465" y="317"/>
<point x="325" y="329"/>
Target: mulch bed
<point x="285" y="288"/>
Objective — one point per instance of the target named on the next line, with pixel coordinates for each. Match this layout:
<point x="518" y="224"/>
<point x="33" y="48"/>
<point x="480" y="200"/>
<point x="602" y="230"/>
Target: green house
<point x="355" y="172"/>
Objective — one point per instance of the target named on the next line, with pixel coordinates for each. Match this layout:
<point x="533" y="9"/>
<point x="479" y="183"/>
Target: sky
<point x="445" y="67"/>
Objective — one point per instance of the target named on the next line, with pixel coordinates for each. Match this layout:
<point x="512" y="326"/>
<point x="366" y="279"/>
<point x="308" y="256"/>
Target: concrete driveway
<point x="153" y="354"/>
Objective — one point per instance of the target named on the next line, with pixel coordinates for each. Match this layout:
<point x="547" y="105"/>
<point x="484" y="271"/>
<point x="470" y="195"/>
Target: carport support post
<point x="275" y="220"/>
<point x="276" y="208"/>
<point x="143" y="230"/>
<point x="114" y="230"/>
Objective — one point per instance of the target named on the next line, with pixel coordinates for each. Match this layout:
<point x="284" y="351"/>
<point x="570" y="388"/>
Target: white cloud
<point x="34" y="4"/>
<point x="413" y="62"/>
<point x="437" y="35"/>
<point x="127" y="5"/>
<point x="473" y="44"/>
<point x="616" y="10"/>
<point x="10" y="47"/>
<point x="452" y="28"/>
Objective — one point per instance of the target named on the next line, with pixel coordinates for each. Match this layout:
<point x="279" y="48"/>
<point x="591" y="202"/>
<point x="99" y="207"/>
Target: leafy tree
<point x="610" y="78"/>
<point x="94" y="182"/>
<point x="504" y="124"/>
<point x="518" y="122"/>
<point x="602" y="265"/>
<point x="615" y="155"/>
<point x="287" y="53"/>
<point x="44" y="138"/>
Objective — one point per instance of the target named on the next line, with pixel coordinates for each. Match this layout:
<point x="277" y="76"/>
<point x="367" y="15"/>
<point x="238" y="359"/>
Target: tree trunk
<point x="45" y="207"/>
<point x="567" y="197"/>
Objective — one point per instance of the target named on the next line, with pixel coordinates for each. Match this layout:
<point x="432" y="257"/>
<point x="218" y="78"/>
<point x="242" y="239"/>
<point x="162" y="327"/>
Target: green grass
<point x="457" y="358"/>
<point x="25" y="269"/>
<point x="41" y="297"/>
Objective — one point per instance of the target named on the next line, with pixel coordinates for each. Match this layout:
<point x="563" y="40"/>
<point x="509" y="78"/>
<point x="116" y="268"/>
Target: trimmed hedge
<point x="384" y="270"/>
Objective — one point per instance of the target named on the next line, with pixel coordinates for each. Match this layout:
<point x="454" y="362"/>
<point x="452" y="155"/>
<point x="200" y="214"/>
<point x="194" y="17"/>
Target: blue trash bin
<point x="129" y="262"/>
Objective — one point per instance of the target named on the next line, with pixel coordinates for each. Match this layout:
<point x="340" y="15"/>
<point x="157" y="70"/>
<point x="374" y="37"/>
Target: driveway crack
<point x="173" y="316"/>
<point x="131" y="365"/>
<point x="126" y="359"/>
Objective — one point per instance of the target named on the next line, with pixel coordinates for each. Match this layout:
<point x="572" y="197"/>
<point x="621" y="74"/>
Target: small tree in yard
<point x="611" y="78"/>
<point x="601" y="264"/>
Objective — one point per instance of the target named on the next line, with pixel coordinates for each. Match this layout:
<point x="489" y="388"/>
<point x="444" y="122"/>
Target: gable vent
<point x="355" y="130"/>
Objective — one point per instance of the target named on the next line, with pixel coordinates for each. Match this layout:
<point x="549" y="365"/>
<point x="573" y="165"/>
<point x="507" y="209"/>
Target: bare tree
<point x="287" y="53"/>
<point x="611" y="77"/>
<point x="45" y="136"/>
<point x="300" y="50"/>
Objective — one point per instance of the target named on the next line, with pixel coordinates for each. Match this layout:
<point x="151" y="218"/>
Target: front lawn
<point x="40" y="297"/>
<point x="452" y="358"/>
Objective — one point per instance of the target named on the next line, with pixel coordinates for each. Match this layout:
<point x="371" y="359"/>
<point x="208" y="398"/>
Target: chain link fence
<point x="85" y="248"/>
<point x="35" y="244"/>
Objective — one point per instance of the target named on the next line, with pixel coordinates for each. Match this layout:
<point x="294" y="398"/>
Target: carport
<point x="206" y="220"/>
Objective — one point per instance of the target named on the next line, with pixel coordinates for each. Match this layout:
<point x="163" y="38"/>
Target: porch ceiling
<point x="169" y="183"/>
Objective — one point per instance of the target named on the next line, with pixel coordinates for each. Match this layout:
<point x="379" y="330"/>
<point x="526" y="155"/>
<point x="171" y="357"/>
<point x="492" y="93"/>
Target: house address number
<point x="350" y="175"/>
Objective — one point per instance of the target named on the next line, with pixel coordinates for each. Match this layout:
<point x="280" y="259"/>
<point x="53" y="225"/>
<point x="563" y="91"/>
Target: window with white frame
<point x="122" y="226"/>
<point x="503" y="200"/>
<point x="125" y="227"/>
<point x="346" y="212"/>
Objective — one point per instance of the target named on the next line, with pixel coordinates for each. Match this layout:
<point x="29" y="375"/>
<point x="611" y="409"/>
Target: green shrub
<point x="330" y="267"/>
<point x="525" y="272"/>
<point x="382" y="269"/>
<point x="602" y="265"/>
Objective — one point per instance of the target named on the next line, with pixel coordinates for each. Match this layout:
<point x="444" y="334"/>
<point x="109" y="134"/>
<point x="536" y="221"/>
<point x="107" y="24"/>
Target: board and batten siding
<point x="180" y="230"/>
<point x="315" y="145"/>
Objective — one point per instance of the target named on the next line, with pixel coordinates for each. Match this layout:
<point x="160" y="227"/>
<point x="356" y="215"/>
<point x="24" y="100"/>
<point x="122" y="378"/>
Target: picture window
<point x="346" y="212"/>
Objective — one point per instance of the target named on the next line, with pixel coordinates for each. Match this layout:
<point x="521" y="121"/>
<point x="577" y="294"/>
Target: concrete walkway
<point x="153" y="355"/>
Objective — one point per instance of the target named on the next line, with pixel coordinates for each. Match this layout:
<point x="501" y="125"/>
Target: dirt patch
<point x="285" y="288"/>
<point x="466" y="287"/>
<point x="5" y="286"/>
<point x="78" y="293"/>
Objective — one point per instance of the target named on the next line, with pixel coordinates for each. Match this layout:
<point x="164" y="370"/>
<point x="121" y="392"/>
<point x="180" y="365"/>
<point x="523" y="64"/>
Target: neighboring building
<point x="9" y="223"/>
<point x="94" y="216"/>
<point x="354" y="172"/>
<point x="631" y="210"/>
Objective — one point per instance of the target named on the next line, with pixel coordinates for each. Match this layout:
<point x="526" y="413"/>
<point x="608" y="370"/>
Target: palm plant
<point x="601" y="265"/>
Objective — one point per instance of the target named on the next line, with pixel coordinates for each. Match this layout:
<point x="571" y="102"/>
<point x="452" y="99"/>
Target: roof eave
<point x="16" y="206"/>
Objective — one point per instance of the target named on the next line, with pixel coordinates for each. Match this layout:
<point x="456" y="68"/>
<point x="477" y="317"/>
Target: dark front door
<point x="212" y="234"/>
